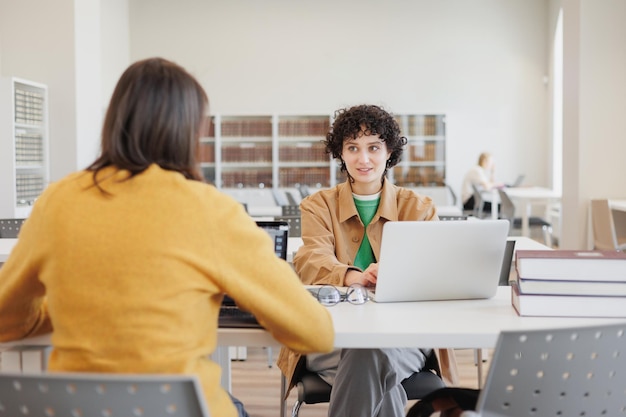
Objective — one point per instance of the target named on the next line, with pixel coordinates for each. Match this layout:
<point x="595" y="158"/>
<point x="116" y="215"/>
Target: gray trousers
<point x="366" y="382"/>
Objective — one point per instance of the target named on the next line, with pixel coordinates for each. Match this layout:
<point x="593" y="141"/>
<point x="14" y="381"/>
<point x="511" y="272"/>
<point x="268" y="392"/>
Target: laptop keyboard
<point x="235" y="312"/>
<point x="232" y="316"/>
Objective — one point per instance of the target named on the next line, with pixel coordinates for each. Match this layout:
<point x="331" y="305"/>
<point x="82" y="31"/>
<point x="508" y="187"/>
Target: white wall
<point x="481" y="62"/>
<point x="115" y="45"/>
<point x="69" y="46"/>
<point x="594" y="107"/>
<point x="38" y="45"/>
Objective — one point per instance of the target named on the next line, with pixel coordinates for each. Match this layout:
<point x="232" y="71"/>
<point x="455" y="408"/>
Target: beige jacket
<point x="332" y="233"/>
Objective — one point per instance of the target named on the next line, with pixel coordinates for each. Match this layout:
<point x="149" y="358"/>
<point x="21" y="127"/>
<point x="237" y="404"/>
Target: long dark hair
<point x="155" y="116"/>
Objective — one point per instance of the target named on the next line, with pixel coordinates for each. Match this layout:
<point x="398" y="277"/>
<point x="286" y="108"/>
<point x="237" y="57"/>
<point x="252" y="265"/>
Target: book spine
<point x="567" y="306"/>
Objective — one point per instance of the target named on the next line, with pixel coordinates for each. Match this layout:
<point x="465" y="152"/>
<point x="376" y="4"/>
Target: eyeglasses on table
<point x="329" y="295"/>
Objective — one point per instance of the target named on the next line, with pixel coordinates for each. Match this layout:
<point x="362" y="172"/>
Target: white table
<point x="439" y="324"/>
<point x="449" y="211"/>
<point x="526" y="197"/>
<point x="6" y="245"/>
<point x="619" y="205"/>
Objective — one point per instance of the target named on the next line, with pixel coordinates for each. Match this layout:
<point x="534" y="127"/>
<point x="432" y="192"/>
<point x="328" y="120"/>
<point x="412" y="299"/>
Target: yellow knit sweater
<point x="131" y="282"/>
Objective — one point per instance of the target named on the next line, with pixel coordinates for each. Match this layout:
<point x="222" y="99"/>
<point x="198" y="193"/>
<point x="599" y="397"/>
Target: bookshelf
<point x="302" y="157"/>
<point x="286" y="151"/>
<point x="24" y="162"/>
<point x="423" y="161"/>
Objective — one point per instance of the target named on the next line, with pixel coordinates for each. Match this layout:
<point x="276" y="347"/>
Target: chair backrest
<point x="80" y="394"/>
<point x="453" y="198"/>
<point x="295" y="228"/>
<point x="603" y="228"/>
<point x="478" y="201"/>
<point x="10" y="228"/>
<point x="291" y="210"/>
<point x="557" y="372"/>
<point x="507" y="208"/>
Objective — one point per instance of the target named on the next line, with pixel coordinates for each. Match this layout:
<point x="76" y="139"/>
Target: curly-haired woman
<point x="341" y="232"/>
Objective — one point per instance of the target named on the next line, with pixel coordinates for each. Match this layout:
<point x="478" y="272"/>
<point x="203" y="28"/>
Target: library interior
<point x="515" y="105"/>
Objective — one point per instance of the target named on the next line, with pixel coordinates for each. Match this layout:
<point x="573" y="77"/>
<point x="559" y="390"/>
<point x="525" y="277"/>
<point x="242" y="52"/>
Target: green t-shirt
<point x="366" y="209"/>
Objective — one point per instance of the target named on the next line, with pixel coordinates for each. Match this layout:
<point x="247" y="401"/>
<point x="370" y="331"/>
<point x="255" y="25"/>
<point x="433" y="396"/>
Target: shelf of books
<point x="288" y="151"/>
<point x="24" y="167"/>
<point x="423" y="162"/>
<point x="302" y="157"/>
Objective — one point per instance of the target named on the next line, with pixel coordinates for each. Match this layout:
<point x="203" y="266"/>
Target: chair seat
<point x="312" y="389"/>
<point x="421" y="384"/>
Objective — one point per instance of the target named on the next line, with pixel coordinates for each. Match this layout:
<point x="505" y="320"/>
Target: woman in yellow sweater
<point x="126" y="262"/>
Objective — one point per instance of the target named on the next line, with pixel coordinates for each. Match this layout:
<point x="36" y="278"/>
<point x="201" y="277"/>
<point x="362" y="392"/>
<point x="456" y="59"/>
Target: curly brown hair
<point x="365" y="119"/>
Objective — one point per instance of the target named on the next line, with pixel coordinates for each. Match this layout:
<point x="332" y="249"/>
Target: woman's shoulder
<point x="325" y="194"/>
<point x="407" y="194"/>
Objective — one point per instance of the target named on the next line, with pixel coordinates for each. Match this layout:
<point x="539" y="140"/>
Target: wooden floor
<point x="258" y="386"/>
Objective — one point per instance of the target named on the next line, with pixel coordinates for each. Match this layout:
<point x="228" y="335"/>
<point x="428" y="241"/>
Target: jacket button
<point x="355" y="239"/>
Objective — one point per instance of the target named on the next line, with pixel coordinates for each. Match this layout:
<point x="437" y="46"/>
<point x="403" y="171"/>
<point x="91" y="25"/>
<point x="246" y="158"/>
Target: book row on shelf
<point x="28" y="107"/>
<point x="421" y="125"/>
<point x="247" y="152"/>
<point x="249" y="177"/>
<point x="206" y="152"/>
<point x="255" y="152"/>
<point x="289" y="177"/>
<point x="294" y="126"/>
<point x="303" y="152"/>
<point x="418" y="176"/>
<point x="424" y="152"/>
<point x="29" y="148"/>
<point x="570" y="283"/>
<point x="304" y="127"/>
<point x="312" y="176"/>
<point x="28" y="187"/>
<point x="246" y="128"/>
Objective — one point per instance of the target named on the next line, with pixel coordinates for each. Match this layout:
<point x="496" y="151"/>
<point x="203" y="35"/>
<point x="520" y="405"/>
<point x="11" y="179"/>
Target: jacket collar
<point x="387" y="209"/>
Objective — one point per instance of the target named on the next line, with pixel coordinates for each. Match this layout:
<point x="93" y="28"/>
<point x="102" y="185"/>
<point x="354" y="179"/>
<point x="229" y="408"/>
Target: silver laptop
<point x="435" y="260"/>
<point x="518" y="181"/>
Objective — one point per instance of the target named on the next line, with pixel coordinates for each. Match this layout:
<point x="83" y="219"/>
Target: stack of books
<point x="569" y="283"/>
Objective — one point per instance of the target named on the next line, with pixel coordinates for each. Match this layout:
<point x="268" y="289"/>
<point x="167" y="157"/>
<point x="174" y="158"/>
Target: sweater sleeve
<point x="316" y="261"/>
<point x="23" y="310"/>
<point x="267" y="286"/>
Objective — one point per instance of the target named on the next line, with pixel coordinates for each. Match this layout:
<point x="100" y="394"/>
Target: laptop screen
<point x="507" y="262"/>
<point x="230" y="314"/>
<point x="279" y="231"/>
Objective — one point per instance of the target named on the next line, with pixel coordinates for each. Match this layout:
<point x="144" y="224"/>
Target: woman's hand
<point x="366" y="278"/>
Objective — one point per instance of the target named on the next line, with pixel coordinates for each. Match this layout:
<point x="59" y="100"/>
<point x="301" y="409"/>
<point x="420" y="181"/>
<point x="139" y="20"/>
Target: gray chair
<point x="88" y="394"/>
<point x="291" y="210"/>
<point x="479" y="203"/>
<point x="507" y="211"/>
<point x="291" y="215"/>
<point x="295" y="228"/>
<point x="452" y="194"/>
<point x="604" y="235"/>
<point x="312" y="389"/>
<point x="557" y="372"/>
<point x="10" y="228"/>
